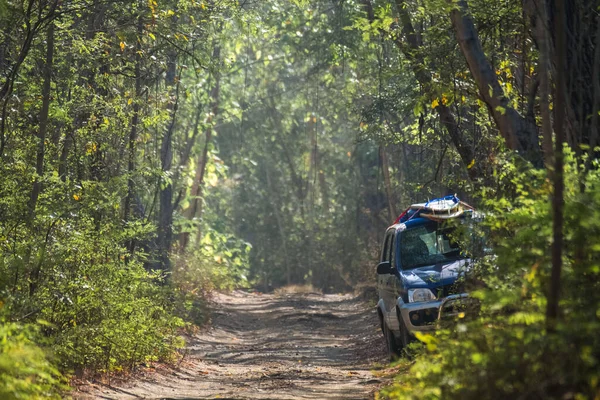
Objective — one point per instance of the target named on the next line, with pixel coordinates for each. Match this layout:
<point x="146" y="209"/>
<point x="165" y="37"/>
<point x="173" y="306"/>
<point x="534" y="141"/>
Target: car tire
<point x="394" y="350"/>
<point x="381" y="323"/>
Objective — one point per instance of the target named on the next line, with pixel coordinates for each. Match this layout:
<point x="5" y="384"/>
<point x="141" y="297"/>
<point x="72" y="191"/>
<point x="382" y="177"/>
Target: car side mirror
<point x="385" y="268"/>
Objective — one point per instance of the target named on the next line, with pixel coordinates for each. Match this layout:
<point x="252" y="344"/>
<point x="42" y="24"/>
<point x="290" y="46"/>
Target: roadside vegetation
<point x="154" y="151"/>
<point x="509" y="350"/>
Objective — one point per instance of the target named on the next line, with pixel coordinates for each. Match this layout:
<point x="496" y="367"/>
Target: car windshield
<point x="427" y="244"/>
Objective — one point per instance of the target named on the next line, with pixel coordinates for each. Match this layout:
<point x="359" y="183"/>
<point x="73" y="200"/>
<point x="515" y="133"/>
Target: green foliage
<point x="26" y="371"/>
<point x="219" y="263"/>
<point x="104" y="310"/>
<point x="506" y="352"/>
<point x="80" y="201"/>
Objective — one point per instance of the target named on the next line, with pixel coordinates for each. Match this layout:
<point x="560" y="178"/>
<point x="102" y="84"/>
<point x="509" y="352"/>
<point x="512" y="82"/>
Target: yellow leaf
<point x="444" y="99"/>
<point x="122" y="45"/>
<point x="76" y="197"/>
<point x="152" y="35"/>
<point x="129" y="101"/>
<point x="435" y="103"/>
<point x="461" y="315"/>
<point x="471" y="164"/>
<point x="203" y="6"/>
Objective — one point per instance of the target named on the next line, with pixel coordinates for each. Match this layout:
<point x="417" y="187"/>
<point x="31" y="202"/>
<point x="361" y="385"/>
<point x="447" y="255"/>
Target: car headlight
<point x="416" y="295"/>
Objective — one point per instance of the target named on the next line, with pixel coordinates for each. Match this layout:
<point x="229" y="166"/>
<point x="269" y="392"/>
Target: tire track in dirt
<point x="259" y="346"/>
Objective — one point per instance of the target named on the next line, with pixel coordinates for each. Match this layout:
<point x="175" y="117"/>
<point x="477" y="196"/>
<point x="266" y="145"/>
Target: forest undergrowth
<point x="154" y="151"/>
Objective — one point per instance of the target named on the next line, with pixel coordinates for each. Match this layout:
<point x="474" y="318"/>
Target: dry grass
<point x="366" y="292"/>
<point x="297" y="289"/>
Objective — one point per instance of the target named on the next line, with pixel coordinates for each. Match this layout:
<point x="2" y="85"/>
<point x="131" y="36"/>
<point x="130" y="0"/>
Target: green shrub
<point x="506" y="351"/>
<point x="105" y="310"/>
<point x="26" y="372"/>
<point x="219" y="262"/>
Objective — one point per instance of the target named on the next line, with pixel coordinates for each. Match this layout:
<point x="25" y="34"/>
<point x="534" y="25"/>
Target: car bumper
<point x="423" y="316"/>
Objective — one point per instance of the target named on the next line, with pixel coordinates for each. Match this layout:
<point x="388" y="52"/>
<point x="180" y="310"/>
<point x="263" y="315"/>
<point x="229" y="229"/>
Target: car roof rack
<point x="439" y="209"/>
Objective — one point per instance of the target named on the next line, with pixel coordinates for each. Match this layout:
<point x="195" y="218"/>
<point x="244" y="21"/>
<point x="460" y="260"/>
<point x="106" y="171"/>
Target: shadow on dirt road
<point x="296" y="346"/>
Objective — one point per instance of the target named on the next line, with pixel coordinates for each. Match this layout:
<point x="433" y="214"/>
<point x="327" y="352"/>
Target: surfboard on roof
<point x="437" y="209"/>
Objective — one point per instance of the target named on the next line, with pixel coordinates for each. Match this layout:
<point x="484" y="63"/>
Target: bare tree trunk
<point x="64" y="156"/>
<point x="324" y="191"/>
<point x="387" y="182"/>
<point x="552" y="307"/>
<point x="31" y="28"/>
<point x="134" y="125"/>
<point x="208" y="139"/>
<point x="538" y="15"/>
<point x="519" y="133"/>
<point x="39" y="168"/>
<point x="288" y="270"/>
<point x="195" y="209"/>
<point x="596" y="102"/>
<point x="545" y="111"/>
<point x="165" y="217"/>
<point x="411" y="50"/>
<point x="185" y="157"/>
<point x="43" y="128"/>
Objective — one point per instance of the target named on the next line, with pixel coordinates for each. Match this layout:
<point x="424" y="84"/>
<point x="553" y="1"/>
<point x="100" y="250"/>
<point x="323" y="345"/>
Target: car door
<point x="381" y="278"/>
<point x="395" y="283"/>
<point x="387" y="281"/>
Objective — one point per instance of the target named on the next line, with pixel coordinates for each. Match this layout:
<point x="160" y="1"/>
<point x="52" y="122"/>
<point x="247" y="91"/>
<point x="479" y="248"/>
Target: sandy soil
<point x="292" y="346"/>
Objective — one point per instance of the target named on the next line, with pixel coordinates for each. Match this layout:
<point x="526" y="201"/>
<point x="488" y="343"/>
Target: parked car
<point x="418" y="270"/>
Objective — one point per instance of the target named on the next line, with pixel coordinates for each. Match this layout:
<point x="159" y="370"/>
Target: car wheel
<point x="394" y="350"/>
<point x="380" y="316"/>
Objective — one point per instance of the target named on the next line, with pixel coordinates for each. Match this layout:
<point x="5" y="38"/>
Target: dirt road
<point x="292" y="346"/>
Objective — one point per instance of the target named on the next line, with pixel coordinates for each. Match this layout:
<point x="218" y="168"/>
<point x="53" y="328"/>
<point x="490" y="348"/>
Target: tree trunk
<point x="545" y="100"/>
<point x="64" y="156"/>
<point x="133" y="132"/>
<point x="411" y="51"/>
<point x="519" y="133"/>
<point x="387" y="182"/>
<point x="39" y="168"/>
<point x="32" y="29"/>
<point x="595" y="124"/>
<point x="195" y="209"/>
<point x="165" y="217"/>
<point x="185" y="157"/>
<point x="324" y="191"/>
<point x="275" y="204"/>
<point x="552" y="307"/>
<point x="43" y="128"/>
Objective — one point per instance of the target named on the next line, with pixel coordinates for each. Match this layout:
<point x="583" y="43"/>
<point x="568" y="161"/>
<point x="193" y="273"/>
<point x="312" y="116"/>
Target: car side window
<point x="392" y="256"/>
<point x="387" y="244"/>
